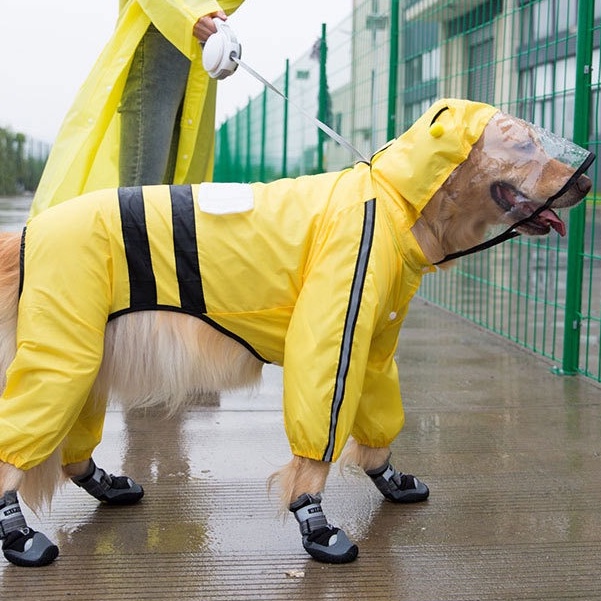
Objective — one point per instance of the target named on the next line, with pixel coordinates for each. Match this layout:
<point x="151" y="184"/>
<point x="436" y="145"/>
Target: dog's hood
<point x="411" y="168"/>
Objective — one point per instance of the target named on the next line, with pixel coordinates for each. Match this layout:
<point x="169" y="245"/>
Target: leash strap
<point x="325" y="128"/>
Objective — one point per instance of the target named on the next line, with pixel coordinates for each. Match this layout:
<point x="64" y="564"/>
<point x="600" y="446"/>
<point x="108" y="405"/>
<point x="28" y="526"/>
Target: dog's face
<point x="507" y="177"/>
<point x="533" y="177"/>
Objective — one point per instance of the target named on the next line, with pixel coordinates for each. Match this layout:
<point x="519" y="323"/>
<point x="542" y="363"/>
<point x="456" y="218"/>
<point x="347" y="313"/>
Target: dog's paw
<point x="398" y="487"/>
<point x="321" y="540"/>
<point x="330" y="545"/>
<point x="109" y="489"/>
<point x="27" y="548"/>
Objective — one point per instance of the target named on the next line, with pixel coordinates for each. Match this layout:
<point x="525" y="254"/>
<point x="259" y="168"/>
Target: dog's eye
<point x="525" y="146"/>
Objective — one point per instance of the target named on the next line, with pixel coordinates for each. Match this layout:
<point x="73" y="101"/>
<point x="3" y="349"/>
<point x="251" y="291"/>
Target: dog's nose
<point x="584" y="184"/>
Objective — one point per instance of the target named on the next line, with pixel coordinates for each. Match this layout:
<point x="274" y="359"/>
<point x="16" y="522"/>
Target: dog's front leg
<point x="394" y="485"/>
<point x="302" y="482"/>
<point x="20" y="544"/>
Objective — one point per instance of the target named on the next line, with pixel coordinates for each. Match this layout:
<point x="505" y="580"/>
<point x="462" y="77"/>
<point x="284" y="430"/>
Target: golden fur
<point x="181" y="353"/>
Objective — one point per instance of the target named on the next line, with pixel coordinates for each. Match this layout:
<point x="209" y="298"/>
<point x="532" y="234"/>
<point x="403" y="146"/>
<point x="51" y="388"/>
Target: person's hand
<point x="204" y="27"/>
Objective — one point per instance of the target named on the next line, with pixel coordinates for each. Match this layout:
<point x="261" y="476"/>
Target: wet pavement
<point x="511" y="452"/>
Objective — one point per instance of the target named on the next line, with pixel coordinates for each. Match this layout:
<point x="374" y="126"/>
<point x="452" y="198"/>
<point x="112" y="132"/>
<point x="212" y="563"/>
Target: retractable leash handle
<point x="220" y="50"/>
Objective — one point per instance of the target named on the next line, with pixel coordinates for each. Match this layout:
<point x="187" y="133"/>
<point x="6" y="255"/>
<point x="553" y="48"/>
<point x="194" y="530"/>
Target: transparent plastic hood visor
<point x="555" y="147"/>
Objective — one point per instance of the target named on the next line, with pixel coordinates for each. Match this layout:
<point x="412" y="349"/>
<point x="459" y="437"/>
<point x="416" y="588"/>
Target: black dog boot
<point x="396" y="486"/>
<point x="112" y="490"/>
<point x="321" y="540"/>
<point x="22" y="545"/>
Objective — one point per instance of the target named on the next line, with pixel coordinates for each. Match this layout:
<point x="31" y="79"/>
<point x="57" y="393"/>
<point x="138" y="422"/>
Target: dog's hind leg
<point x="78" y="465"/>
<point x="11" y="478"/>
<point x="301" y="483"/>
<point x="107" y="488"/>
<point x="20" y="544"/>
<point x="394" y="485"/>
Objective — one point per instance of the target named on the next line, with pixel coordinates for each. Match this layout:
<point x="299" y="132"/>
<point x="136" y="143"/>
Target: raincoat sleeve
<point x="329" y="339"/>
<point x="60" y="341"/>
<point x="380" y="416"/>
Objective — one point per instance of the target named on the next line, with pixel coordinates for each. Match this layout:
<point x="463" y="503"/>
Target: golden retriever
<point x="153" y="356"/>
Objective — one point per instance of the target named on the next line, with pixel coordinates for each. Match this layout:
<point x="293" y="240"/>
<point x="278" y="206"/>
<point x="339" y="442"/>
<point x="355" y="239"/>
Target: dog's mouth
<point x="518" y="207"/>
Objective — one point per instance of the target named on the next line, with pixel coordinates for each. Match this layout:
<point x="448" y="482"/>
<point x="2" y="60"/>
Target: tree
<point x="20" y="167"/>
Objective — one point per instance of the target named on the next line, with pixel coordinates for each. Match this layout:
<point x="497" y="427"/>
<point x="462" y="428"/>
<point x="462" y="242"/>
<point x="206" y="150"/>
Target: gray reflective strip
<point x="11" y="519"/>
<point x="308" y="511"/>
<point x="350" y="322"/>
<point x="311" y="518"/>
<point x="389" y="473"/>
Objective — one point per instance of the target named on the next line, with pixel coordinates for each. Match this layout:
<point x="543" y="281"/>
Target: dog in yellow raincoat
<point x="213" y="280"/>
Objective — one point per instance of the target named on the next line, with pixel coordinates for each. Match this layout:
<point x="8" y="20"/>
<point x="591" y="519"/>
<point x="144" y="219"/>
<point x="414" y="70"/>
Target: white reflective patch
<point x="222" y="199"/>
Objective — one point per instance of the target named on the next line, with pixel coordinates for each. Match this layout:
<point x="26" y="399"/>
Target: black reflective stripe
<point x="350" y="323"/>
<point x="22" y="261"/>
<point x="186" y="251"/>
<point x="142" y="283"/>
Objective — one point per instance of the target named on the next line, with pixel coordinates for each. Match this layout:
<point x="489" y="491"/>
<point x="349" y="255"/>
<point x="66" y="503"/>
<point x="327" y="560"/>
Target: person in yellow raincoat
<point x="88" y="152"/>
<point x="314" y="273"/>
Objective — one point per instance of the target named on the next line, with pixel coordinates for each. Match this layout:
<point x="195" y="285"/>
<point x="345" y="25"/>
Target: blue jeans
<point x="151" y="110"/>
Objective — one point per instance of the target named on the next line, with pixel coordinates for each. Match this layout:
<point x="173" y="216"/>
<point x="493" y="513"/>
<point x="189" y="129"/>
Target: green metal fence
<point x="371" y="76"/>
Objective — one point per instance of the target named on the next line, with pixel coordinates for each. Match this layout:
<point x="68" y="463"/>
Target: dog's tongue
<point x="551" y="218"/>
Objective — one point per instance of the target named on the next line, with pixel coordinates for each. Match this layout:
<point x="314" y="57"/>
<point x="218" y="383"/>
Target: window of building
<point x="422" y="67"/>
<point x="548" y="69"/>
<point x="481" y="65"/>
<point x="544" y="17"/>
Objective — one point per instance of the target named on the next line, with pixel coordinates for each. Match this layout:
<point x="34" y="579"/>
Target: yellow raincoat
<point x="314" y="273"/>
<point x="85" y="154"/>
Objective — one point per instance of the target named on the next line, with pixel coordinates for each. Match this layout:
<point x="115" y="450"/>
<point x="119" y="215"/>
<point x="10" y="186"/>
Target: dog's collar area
<point x="511" y="231"/>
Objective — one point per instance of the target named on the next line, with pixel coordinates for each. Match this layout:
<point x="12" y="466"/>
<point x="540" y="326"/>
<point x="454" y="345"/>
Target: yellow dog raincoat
<point x="313" y="273"/>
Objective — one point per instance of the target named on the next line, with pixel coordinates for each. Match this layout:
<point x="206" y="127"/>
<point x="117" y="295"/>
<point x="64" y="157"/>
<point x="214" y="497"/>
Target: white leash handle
<point x="218" y="51"/>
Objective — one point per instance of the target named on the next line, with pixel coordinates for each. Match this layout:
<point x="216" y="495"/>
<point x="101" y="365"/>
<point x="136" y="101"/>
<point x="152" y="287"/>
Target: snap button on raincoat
<point x="85" y="154"/>
<point x="316" y="274"/>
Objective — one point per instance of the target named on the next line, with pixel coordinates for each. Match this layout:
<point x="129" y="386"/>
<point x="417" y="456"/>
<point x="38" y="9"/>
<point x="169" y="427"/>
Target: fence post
<point x="238" y="172"/>
<point x="285" y="124"/>
<point x="323" y="97"/>
<point x="223" y="169"/>
<point x="573" y="312"/>
<point x="248" y="169"/>
<point x="263" y="134"/>
<point x="393" y="70"/>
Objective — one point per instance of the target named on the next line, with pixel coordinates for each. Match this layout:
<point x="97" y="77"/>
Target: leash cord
<point x="325" y="128"/>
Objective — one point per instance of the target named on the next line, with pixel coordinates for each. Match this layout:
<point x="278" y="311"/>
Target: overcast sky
<point x="47" y="48"/>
